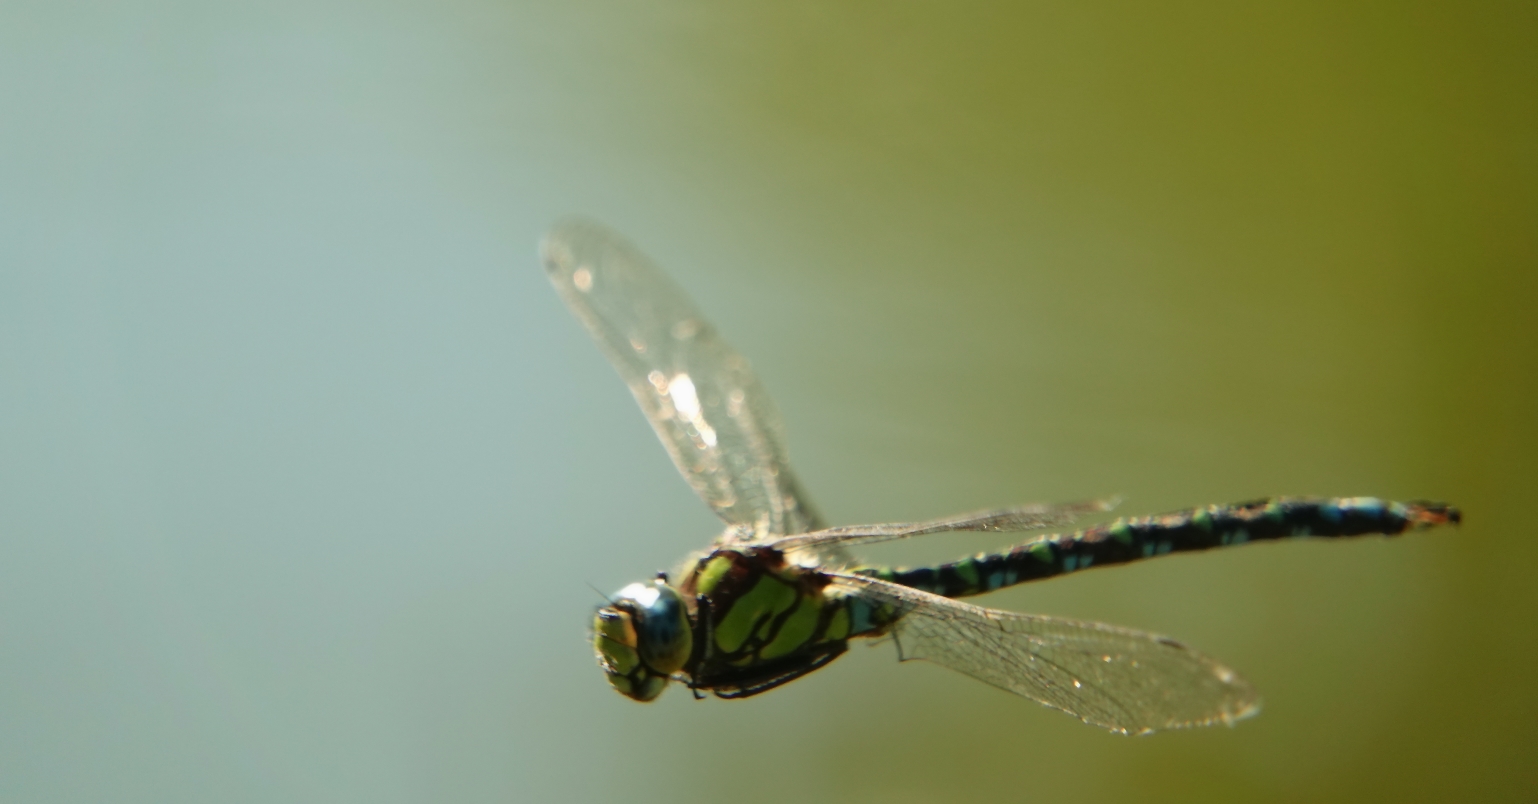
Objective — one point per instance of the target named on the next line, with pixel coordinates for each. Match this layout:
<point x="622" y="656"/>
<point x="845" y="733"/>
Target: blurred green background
<point x="305" y="470"/>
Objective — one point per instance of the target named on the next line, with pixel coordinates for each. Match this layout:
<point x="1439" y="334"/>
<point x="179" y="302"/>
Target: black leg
<point x="703" y="634"/>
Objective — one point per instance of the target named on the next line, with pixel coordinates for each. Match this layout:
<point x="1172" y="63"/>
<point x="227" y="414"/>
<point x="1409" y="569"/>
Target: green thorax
<point x="770" y="620"/>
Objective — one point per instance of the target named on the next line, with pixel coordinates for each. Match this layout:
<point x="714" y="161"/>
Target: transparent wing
<point x="701" y="397"/>
<point x="1124" y="680"/>
<point x="1000" y="520"/>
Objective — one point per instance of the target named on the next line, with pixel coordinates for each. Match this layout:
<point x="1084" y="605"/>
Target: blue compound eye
<point x="642" y="638"/>
<point x="662" y="634"/>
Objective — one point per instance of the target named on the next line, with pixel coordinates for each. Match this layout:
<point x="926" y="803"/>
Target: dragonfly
<point x="777" y="594"/>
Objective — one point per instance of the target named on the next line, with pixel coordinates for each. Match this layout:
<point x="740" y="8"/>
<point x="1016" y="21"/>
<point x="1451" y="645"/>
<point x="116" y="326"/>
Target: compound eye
<point x="642" y="638"/>
<point x="663" y="638"/>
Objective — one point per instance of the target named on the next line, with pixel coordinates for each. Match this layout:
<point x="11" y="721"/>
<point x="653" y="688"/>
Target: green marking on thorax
<point x="796" y="630"/>
<point x="1120" y="531"/>
<point x="838" y="624"/>
<point x="770" y="596"/>
<point x="710" y="577"/>
<point x="1202" y="519"/>
<point x="1042" y="551"/>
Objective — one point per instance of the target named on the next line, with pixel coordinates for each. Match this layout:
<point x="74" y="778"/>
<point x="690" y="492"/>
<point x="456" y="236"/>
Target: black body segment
<point x="1132" y="539"/>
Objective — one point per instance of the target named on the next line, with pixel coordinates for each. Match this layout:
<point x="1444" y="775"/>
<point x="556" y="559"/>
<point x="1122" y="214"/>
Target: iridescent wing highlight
<point x="701" y="397"/>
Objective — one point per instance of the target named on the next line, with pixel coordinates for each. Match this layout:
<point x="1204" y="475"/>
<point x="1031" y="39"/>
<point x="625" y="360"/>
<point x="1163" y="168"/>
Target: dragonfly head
<point x="643" y="637"/>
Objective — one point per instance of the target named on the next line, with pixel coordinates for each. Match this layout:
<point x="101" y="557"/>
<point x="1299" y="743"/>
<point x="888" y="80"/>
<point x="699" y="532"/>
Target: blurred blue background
<point x="305" y="470"/>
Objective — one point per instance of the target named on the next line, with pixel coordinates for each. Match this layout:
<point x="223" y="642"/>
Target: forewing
<point x="1001" y="520"/>
<point x="701" y="397"/>
<point x="1124" y="680"/>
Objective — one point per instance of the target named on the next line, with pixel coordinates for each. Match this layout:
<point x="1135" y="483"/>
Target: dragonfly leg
<point x="751" y="681"/>
<point x="704" y="634"/>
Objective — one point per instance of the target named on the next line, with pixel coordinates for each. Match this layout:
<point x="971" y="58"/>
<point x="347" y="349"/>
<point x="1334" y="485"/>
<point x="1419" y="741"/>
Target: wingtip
<point x="1249" y="710"/>
<point x="554" y="254"/>
<point x="556" y="245"/>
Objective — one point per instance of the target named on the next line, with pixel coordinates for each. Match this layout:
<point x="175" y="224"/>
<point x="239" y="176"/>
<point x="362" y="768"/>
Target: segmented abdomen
<point x="1131" y="539"/>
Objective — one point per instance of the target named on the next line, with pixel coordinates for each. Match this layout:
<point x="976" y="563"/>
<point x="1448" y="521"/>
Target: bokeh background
<point x="305" y="471"/>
